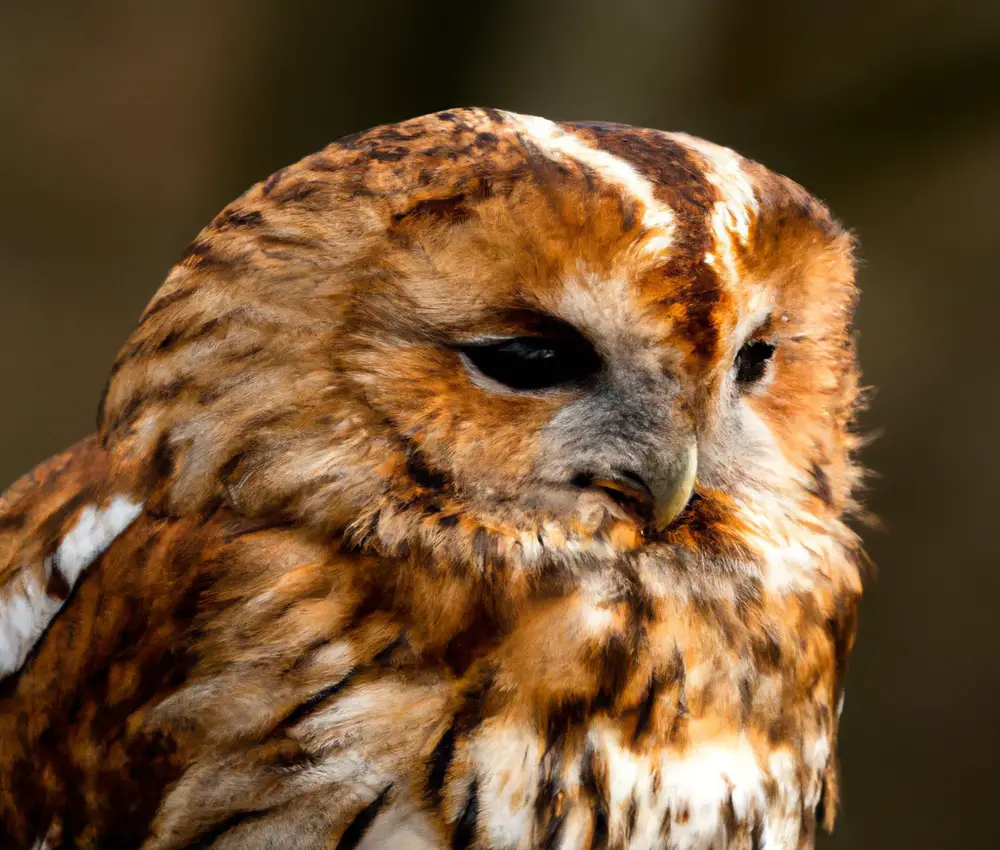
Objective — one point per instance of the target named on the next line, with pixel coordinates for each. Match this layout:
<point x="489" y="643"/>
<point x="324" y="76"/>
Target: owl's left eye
<point x="751" y="362"/>
<point x="532" y="363"/>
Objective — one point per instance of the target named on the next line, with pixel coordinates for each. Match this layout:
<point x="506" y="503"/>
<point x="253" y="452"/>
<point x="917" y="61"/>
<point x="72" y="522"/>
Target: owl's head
<point x="505" y="339"/>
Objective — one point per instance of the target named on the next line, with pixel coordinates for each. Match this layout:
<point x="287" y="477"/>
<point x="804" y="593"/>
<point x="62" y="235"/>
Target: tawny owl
<point x="478" y="482"/>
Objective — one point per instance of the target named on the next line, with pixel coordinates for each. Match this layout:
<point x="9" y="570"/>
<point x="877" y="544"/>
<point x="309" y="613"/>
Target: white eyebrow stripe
<point x="732" y="215"/>
<point x="26" y="608"/>
<point x="723" y="168"/>
<point x="657" y="217"/>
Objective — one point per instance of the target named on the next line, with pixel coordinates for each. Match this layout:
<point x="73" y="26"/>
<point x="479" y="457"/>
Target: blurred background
<point x="126" y="126"/>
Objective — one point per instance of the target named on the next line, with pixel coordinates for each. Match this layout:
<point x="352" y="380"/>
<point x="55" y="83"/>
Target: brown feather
<point x="365" y="600"/>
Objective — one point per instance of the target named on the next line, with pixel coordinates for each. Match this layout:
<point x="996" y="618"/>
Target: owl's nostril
<point x="627" y="488"/>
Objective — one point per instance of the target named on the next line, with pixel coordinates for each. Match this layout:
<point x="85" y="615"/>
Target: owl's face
<point x="539" y="339"/>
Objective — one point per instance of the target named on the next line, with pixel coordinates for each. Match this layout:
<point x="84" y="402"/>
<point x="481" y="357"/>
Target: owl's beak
<point x="660" y="491"/>
<point x="672" y="491"/>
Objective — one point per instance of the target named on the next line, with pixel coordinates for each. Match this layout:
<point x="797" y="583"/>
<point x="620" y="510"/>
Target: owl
<point x="478" y="482"/>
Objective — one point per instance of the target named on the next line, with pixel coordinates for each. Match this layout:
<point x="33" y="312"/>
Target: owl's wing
<point x="54" y="523"/>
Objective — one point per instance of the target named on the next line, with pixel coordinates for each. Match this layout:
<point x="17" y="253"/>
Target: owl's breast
<point x="313" y="703"/>
<point x="645" y="721"/>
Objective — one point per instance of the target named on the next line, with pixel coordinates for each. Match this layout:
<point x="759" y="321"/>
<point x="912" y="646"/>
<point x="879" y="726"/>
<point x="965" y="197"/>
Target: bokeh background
<point x="124" y="127"/>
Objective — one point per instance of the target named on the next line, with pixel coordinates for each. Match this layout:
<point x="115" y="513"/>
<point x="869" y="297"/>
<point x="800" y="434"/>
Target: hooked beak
<point x="660" y="491"/>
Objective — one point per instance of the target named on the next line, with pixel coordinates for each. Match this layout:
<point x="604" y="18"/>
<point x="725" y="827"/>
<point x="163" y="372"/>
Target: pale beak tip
<point x="674" y="497"/>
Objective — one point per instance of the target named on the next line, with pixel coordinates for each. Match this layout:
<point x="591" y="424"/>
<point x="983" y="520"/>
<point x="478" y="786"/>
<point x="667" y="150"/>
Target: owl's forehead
<point x="600" y="222"/>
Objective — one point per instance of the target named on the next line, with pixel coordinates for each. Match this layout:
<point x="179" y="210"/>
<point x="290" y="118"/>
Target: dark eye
<point x="533" y="363"/>
<point x="752" y="360"/>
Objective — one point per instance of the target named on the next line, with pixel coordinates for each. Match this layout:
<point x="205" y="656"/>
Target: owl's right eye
<point x="528" y="363"/>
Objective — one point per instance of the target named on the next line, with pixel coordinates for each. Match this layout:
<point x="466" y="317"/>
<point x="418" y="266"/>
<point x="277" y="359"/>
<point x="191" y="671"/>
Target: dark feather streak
<point x="362" y="820"/>
<point x="438" y="764"/>
<point x="465" y="827"/>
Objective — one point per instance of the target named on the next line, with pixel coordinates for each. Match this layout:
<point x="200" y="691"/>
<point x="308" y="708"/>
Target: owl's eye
<point x="533" y="362"/>
<point x="752" y="360"/>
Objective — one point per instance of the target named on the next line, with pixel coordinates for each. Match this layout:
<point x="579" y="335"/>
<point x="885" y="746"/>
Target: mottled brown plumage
<point x="331" y="574"/>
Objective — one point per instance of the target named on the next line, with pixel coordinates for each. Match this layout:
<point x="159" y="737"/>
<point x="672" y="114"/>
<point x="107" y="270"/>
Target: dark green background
<point x="124" y="126"/>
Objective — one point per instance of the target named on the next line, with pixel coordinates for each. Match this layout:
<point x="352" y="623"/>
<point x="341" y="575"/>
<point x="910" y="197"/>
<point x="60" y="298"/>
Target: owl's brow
<point x="505" y="324"/>
<point x="762" y="327"/>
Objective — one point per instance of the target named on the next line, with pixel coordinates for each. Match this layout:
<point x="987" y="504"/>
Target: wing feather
<point x="54" y="523"/>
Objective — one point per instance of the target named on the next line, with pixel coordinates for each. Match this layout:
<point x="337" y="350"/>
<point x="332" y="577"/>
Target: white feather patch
<point x="724" y="170"/>
<point x="702" y="784"/>
<point x="782" y="824"/>
<point x="507" y="760"/>
<point x="94" y="532"/>
<point x="403" y="826"/>
<point x="43" y="844"/>
<point x="698" y="790"/>
<point x="733" y="213"/>
<point x="26" y="609"/>
<point x="24" y="613"/>
<point x="657" y="218"/>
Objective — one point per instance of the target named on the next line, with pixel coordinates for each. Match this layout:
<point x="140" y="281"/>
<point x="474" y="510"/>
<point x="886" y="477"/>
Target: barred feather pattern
<point x="315" y="583"/>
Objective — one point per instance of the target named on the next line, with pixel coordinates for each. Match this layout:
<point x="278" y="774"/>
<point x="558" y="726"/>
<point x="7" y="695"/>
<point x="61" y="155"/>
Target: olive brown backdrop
<point x="124" y="127"/>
